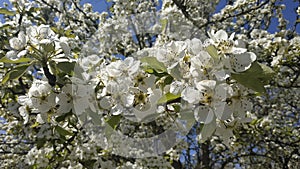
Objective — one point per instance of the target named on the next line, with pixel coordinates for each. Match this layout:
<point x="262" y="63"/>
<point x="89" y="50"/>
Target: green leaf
<point x="40" y="142"/>
<point x="213" y="52"/>
<point x="21" y="60"/>
<point x="176" y="107"/>
<point x="69" y="34"/>
<point x="62" y="117"/>
<point x="168" y="80"/>
<point x="36" y="124"/>
<point x="63" y="132"/>
<point x="15" y="73"/>
<point x="67" y="67"/>
<point x="255" y="77"/>
<point x="267" y="74"/>
<point x="88" y="163"/>
<point x="164" y="24"/>
<point x="167" y="98"/>
<point x="250" y="81"/>
<point x="2" y="54"/>
<point x="113" y="121"/>
<point x="5" y="11"/>
<point x="153" y="63"/>
<point x="5" y="26"/>
<point x="150" y="71"/>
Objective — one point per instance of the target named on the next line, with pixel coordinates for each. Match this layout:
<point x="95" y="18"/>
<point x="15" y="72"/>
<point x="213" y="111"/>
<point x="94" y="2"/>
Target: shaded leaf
<point x="63" y="132"/>
<point x="67" y="67"/>
<point x="62" y="117"/>
<point x="255" y="77"/>
<point x="40" y="142"/>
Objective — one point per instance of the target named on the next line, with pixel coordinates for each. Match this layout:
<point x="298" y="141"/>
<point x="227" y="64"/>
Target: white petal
<point x="242" y="62"/>
<point x="22" y="38"/>
<point x="15" y="43"/>
<point x="252" y="56"/>
<point x="221" y="35"/>
<point x="12" y="55"/>
<point x="80" y="105"/>
<point x="23" y="100"/>
<point x="204" y="114"/>
<point x="127" y="100"/>
<point x="206" y="85"/>
<point x="219" y="109"/>
<point x="222" y="111"/>
<point x="232" y="36"/>
<point x="40" y="119"/>
<point x="176" y="87"/>
<point x="64" y="108"/>
<point x="134" y="67"/>
<point x="22" y="53"/>
<point x="224" y="131"/>
<point x="207" y="131"/>
<point x="190" y="95"/>
<point x="105" y="102"/>
<point x="113" y="71"/>
<point x="236" y="50"/>
<point x="117" y="109"/>
<point x="221" y="92"/>
<point x="195" y="46"/>
<point x="65" y="47"/>
<point x="221" y="75"/>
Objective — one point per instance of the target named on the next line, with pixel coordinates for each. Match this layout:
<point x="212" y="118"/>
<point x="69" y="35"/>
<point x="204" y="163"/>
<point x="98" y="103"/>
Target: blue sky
<point x="100" y="5"/>
<point x="288" y="14"/>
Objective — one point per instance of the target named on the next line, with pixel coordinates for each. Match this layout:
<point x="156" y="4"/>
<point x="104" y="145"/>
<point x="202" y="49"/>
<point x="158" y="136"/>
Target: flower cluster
<point x="76" y="85"/>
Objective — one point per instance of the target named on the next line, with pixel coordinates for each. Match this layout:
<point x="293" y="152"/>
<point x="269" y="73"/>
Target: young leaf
<point x="5" y="11"/>
<point x="21" y="60"/>
<point x="164" y="24"/>
<point x="213" y="52"/>
<point x="153" y="63"/>
<point x="5" y="26"/>
<point x="167" y="98"/>
<point x="15" y="73"/>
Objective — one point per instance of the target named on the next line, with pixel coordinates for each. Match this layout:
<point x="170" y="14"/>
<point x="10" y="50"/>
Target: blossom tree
<point x="149" y="84"/>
